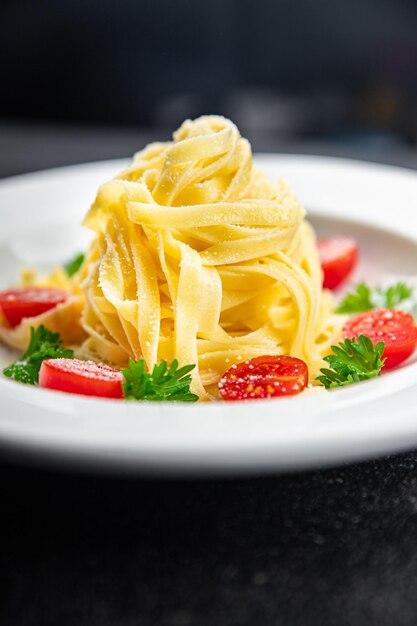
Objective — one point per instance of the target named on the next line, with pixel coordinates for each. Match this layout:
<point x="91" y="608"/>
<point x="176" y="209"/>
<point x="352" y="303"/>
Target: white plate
<point x="39" y="216"/>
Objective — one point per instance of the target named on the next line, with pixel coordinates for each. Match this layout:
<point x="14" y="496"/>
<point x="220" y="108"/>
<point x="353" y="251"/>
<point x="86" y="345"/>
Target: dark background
<point x="317" y="76"/>
<point x="330" y="548"/>
<point x="98" y="79"/>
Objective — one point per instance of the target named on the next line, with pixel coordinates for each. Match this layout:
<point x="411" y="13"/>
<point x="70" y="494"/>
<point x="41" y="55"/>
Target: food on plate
<point x="352" y="361"/>
<point x="203" y="281"/>
<point x="338" y="257"/>
<point x="22" y="302"/>
<point x="164" y="382"/>
<point x="83" y="377"/>
<point x="396" y="329"/>
<point x="73" y="265"/>
<point x="53" y="301"/>
<point x="43" y="344"/>
<point x="363" y="298"/>
<point x="199" y="257"/>
<point x="264" y="377"/>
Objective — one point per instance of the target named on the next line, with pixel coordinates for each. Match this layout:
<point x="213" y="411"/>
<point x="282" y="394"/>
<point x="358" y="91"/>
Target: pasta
<point x="64" y="319"/>
<point x="198" y="256"/>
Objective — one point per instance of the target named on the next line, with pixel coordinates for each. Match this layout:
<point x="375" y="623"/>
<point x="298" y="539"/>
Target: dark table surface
<point x="332" y="547"/>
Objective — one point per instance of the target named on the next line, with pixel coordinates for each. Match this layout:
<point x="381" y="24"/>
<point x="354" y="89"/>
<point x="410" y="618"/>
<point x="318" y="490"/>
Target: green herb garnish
<point x="395" y="295"/>
<point x="352" y="361"/>
<point x="165" y="382"/>
<point x="364" y="298"/>
<point x="74" y="264"/>
<point x="44" y="344"/>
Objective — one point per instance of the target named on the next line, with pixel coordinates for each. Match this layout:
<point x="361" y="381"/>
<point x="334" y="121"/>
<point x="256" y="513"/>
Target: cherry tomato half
<point x="397" y="329"/>
<point x="83" y="377"/>
<point x="264" y="377"/>
<point x="338" y="257"/>
<point x="22" y="302"/>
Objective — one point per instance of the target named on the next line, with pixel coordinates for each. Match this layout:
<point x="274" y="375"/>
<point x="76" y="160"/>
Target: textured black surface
<point x="333" y="547"/>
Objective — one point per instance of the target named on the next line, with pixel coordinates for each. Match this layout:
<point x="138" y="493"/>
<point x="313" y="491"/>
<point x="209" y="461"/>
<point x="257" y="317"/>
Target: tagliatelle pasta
<point x="63" y="319"/>
<point x="199" y="257"/>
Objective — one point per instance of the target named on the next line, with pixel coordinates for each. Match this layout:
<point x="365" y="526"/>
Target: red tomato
<point x="338" y="257"/>
<point x="264" y="377"/>
<point x="397" y="329"/>
<point x="22" y="302"/>
<point x="83" y="377"/>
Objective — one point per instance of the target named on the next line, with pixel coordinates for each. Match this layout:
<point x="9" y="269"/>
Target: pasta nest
<point x="198" y="256"/>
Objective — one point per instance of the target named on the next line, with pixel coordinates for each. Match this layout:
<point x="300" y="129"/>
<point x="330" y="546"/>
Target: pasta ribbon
<point x="198" y="256"/>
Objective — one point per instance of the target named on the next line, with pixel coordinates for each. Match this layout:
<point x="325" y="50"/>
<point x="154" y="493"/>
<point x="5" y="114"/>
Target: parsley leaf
<point x="74" y="264"/>
<point x="364" y="298"/>
<point x="352" y="361"/>
<point x="164" y="382"/>
<point x="396" y="294"/>
<point x="358" y="301"/>
<point x="44" y="344"/>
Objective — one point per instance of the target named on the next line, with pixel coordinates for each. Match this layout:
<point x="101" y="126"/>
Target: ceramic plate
<point x="40" y="215"/>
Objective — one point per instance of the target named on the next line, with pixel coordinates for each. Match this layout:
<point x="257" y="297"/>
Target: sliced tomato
<point x="264" y="377"/>
<point x="22" y="302"/>
<point x="83" y="377"/>
<point x="397" y="329"/>
<point x="338" y="258"/>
